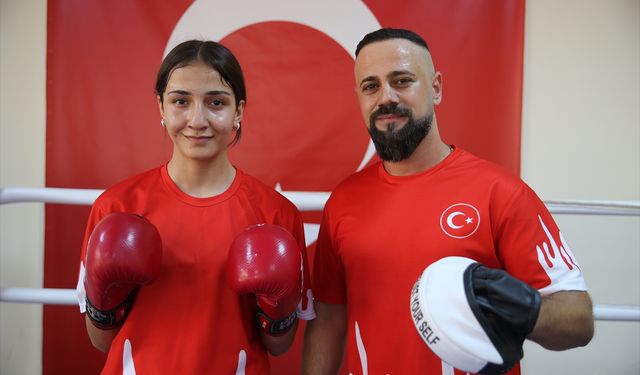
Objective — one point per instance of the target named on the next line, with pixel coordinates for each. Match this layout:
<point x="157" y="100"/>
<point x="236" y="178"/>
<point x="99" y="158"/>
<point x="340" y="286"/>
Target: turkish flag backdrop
<point x="302" y="127"/>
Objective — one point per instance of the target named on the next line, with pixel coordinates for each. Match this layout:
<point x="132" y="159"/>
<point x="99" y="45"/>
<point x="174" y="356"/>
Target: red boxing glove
<point x="123" y="252"/>
<point x="265" y="260"/>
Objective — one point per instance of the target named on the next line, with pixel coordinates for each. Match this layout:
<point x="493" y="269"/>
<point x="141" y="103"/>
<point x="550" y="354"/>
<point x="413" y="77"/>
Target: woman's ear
<point x="239" y="111"/>
<point x="160" y="107"/>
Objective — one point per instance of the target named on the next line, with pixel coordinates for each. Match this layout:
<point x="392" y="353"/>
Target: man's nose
<point x="388" y="95"/>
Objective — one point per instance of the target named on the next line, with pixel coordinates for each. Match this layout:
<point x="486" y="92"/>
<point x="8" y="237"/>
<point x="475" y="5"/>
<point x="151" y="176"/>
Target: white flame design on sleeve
<point x="242" y="362"/>
<point x="559" y="263"/>
<point x="128" y="368"/>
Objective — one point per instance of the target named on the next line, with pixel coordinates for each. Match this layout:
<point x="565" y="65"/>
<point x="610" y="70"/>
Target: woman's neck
<point x="202" y="179"/>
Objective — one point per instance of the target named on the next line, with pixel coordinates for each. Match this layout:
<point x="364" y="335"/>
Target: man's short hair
<point x="389" y="33"/>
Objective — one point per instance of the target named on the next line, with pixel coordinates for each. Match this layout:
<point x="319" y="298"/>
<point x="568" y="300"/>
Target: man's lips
<point x="391" y="118"/>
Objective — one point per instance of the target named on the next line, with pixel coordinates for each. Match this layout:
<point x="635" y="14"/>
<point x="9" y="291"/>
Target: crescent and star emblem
<point x="460" y="220"/>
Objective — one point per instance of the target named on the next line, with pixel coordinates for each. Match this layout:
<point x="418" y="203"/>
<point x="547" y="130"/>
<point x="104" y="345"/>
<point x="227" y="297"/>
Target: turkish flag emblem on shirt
<point x="460" y="220"/>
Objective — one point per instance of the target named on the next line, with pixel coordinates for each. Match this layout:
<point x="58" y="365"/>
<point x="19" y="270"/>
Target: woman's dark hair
<point x="211" y="53"/>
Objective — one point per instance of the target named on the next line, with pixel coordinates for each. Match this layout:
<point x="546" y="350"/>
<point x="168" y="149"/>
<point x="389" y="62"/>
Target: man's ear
<point x="436" y="85"/>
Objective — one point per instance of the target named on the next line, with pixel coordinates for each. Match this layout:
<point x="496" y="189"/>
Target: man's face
<point x="397" y="89"/>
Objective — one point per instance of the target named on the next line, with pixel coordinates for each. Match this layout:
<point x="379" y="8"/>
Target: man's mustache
<point x="389" y="109"/>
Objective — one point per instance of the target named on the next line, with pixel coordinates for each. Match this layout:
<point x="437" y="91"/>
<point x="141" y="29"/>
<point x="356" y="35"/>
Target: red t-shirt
<point x="379" y="232"/>
<point x="189" y="321"/>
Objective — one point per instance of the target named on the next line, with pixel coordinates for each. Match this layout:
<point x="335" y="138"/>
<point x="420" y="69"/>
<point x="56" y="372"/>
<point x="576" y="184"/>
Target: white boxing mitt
<point x="473" y="317"/>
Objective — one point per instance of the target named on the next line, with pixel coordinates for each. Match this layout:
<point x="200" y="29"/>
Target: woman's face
<point x="199" y="112"/>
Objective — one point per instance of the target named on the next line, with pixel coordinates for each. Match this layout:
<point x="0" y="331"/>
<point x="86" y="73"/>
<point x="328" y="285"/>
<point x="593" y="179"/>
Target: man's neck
<point x="429" y="152"/>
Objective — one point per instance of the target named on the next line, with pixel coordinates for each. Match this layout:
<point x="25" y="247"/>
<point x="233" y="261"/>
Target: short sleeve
<point x="305" y="309"/>
<point x="97" y="213"/>
<point x="328" y="271"/>
<point x="531" y="247"/>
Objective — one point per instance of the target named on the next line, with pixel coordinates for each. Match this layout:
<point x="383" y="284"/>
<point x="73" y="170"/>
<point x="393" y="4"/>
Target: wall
<point x="22" y="147"/>
<point x="581" y="140"/>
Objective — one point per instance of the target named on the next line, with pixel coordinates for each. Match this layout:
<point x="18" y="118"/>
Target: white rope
<point x="627" y="313"/>
<point x="34" y="295"/>
<point x="49" y="195"/>
<point x="304" y="200"/>
<point x="68" y="297"/>
<point x="619" y="208"/>
<point x="307" y="200"/>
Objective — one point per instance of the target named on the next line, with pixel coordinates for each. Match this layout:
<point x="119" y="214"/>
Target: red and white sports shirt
<point x="379" y="232"/>
<point x="190" y="321"/>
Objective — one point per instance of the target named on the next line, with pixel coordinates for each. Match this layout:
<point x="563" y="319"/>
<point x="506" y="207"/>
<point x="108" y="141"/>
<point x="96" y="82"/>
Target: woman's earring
<point x="236" y="127"/>
<point x="162" y="123"/>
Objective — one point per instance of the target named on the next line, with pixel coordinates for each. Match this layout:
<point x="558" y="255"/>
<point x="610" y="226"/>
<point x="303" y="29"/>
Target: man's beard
<point x="397" y="145"/>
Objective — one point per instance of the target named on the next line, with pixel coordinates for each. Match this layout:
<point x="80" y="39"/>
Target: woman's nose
<point x="198" y="118"/>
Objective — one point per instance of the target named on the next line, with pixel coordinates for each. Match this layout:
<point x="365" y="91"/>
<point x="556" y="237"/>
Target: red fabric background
<point x="302" y="127"/>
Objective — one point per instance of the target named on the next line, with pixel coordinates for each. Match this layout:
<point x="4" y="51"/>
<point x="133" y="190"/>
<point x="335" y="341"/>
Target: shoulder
<point x="355" y="183"/>
<point x="130" y="187"/>
<point x="477" y="171"/>
<point x="265" y="204"/>
<point x="261" y="194"/>
<point x="499" y="188"/>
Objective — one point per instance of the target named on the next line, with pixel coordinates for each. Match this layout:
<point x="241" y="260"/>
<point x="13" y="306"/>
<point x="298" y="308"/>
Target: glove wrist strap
<point x="274" y="327"/>
<point x="109" y="319"/>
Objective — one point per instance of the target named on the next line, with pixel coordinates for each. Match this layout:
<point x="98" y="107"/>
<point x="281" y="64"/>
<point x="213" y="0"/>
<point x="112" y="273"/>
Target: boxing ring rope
<point x="305" y="201"/>
<point x="52" y="296"/>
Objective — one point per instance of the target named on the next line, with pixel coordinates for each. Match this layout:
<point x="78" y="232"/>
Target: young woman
<point x="183" y="315"/>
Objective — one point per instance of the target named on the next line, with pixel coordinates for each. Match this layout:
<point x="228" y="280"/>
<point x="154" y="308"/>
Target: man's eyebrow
<point x="392" y="74"/>
<point x="399" y="73"/>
